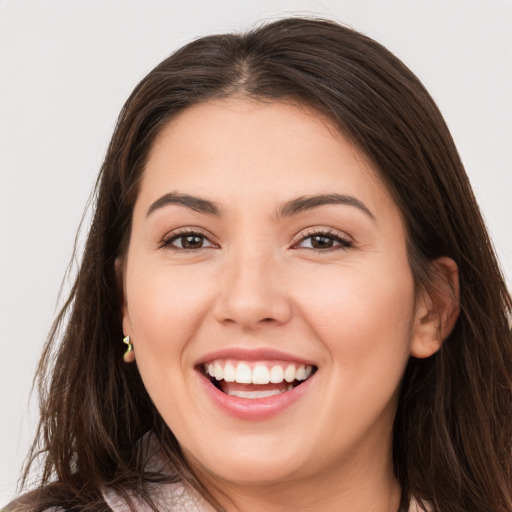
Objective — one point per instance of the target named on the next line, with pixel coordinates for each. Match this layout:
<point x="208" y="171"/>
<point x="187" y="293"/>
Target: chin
<point x="262" y="462"/>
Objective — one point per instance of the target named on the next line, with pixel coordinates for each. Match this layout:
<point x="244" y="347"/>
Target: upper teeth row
<point x="260" y="374"/>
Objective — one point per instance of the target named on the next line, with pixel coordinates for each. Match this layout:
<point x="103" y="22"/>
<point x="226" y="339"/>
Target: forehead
<point x="239" y="150"/>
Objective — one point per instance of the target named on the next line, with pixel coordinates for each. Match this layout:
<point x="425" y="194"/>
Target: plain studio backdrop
<point x="67" y="66"/>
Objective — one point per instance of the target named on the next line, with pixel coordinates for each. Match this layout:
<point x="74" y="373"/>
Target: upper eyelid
<point x="193" y="230"/>
<point x="322" y="231"/>
<point x="167" y="239"/>
<point x="303" y="234"/>
<point x="344" y="241"/>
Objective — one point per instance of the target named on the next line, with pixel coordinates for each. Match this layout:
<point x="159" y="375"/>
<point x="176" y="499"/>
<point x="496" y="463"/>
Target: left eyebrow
<point x="303" y="203"/>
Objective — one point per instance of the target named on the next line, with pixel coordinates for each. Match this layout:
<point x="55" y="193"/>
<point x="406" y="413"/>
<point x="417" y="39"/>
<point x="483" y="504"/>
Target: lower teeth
<point x="258" y="394"/>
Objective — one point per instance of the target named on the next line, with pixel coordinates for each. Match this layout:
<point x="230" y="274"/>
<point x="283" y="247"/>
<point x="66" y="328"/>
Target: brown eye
<point x="324" y="241"/>
<point x="188" y="241"/>
<point x="191" y="242"/>
<point x="321" y="242"/>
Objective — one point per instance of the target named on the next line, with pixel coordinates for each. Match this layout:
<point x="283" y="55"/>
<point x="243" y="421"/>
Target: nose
<point x="252" y="293"/>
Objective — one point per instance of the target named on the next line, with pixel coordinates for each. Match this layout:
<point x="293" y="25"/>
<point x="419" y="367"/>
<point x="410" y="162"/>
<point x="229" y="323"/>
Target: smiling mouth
<point x="255" y="379"/>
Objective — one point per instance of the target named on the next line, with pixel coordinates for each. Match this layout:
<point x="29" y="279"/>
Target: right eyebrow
<point x="194" y="203"/>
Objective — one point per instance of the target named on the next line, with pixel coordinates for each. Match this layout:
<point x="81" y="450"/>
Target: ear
<point x="437" y="309"/>
<point x="119" y="269"/>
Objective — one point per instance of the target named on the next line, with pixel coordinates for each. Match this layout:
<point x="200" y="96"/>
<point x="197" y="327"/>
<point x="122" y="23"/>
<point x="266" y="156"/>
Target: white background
<point x="67" y="66"/>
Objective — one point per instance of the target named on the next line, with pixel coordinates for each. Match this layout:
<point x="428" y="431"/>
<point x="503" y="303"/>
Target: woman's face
<point x="265" y="250"/>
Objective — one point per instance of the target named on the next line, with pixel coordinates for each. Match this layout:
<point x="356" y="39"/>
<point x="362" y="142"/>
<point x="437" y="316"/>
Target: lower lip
<point x="254" y="409"/>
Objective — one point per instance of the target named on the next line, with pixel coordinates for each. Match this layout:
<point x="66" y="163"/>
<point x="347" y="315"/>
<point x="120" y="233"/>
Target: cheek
<point x="364" y="321"/>
<point x="165" y="307"/>
<point x="362" y="315"/>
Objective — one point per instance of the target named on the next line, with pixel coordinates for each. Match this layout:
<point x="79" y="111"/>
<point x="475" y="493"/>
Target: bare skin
<point x="225" y="254"/>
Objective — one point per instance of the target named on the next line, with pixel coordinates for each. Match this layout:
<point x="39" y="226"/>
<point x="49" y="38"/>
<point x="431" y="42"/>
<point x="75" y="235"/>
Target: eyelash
<point x="343" y="243"/>
<point x="168" y="240"/>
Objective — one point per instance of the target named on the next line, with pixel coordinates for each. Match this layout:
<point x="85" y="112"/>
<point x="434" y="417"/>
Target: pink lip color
<point x="252" y="355"/>
<point x="254" y="409"/>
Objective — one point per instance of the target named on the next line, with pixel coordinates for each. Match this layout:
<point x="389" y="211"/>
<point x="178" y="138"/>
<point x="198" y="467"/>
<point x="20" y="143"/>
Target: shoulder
<point x="27" y="503"/>
<point x="39" y="501"/>
<point x="179" y="497"/>
<point x="24" y="503"/>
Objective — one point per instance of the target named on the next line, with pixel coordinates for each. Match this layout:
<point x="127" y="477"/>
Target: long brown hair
<point x="453" y="428"/>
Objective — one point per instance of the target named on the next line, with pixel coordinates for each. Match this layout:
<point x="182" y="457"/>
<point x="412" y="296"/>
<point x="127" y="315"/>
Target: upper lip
<point x="258" y="354"/>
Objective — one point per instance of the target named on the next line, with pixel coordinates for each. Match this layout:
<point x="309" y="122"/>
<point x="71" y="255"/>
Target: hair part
<point x="452" y="432"/>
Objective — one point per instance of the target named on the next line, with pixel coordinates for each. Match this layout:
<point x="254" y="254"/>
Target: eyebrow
<point x="288" y="209"/>
<point x="304" y="203"/>
<point x="194" y="203"/>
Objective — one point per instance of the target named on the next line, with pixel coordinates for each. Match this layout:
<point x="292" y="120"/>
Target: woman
<point x="287" y="244"/>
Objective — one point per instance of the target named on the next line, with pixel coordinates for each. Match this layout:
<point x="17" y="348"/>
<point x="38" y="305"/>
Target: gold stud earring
<point x="129" y="355"/>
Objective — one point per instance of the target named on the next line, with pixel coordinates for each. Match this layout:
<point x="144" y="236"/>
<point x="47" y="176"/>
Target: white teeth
<point x="243" y="374"/>
<point x="289" y="373"/>
<point x="301" y="373"/>
<point x="219" y="372"/>
<point x="255" y="394"/>
<point x="260" y="374"/>
<point x="276" y="374"/>
<point x="229" y="373"/>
